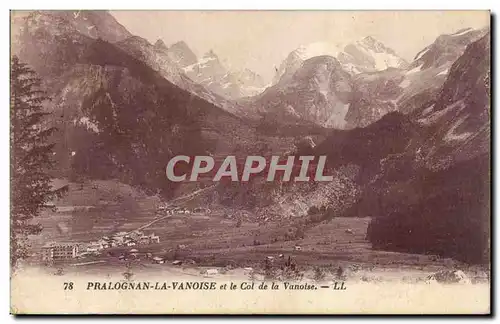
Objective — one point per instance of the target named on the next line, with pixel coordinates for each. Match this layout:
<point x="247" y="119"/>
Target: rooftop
<point x="64" y="244"/>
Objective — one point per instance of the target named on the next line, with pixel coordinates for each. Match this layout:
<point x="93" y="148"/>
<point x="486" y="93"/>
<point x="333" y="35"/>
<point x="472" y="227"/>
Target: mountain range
<point x="212" y="74"/>
<point x="327" y="91"/>
<point x="119" y="109"/>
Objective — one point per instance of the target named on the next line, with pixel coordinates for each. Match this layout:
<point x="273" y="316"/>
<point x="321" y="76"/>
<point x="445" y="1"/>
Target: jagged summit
<point x="446" y="48"/>
<point x="376" y="45"/>
<point x="181" y="54"/>
<point x="161" y="45"/>
<point x="214" y="74"/>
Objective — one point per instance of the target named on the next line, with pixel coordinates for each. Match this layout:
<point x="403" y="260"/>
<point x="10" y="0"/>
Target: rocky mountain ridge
<point x="212" y="74"/>
<point x="322" y="90"/>
<point x="364" y="55"/>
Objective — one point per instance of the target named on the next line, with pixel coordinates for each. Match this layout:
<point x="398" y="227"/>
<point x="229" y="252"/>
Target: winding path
<point x="188" y="197"/>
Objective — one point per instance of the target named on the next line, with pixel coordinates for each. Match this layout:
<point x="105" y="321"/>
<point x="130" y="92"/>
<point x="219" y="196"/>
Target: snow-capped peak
<point x="364" y="55"/>
<point x="305" y="52"/>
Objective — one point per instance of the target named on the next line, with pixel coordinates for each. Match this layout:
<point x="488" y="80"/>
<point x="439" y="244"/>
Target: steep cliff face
<point x="319" y="92"/>
<point x="461" y="113"/>
<point x="379" y="82"/>
<point x="404" y="90"/>
<point x="169" y="67"/>
<point x="373" y="96"/>
<point x="242" y="83"/>
<point x="213" y="75"/>
<point x="51" y="42"/>
<point x="446" y="48"/>
<point x="118" y="117"/>
<point x="365" y="55"/>
<point x="179" y="53"/>
<point x="433" y="196"/>
<point x="321" y="83"/>
<point x="154" y="56"/>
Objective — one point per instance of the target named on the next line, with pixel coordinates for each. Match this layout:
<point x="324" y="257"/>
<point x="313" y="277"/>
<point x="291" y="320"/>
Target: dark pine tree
<point x="30" y="157"/>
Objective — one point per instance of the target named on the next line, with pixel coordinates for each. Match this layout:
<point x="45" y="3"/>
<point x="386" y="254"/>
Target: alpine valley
<point x="407" y="143"/>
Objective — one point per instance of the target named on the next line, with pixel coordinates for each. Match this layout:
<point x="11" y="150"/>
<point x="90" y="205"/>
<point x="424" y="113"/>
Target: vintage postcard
<point x="250" y="162"/>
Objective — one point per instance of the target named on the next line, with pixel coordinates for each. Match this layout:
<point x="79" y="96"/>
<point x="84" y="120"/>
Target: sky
<point x="261" y="40"/>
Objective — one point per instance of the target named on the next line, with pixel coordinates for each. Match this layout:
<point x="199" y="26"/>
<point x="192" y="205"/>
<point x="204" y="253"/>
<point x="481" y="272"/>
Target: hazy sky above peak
<point x="261" y="40"/>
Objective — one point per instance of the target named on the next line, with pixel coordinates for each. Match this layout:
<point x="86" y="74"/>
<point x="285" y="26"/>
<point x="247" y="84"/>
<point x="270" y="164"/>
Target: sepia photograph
<point x="250" y="162"/>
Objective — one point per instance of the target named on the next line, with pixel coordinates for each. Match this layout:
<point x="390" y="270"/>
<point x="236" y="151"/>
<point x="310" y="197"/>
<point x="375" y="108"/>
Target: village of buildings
<point x="60" y="251"/>
<point x="70" y="250"/>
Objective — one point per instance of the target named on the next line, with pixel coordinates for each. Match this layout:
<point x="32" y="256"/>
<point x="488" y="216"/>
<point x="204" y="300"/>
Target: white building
<point x="60" y="251"/>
